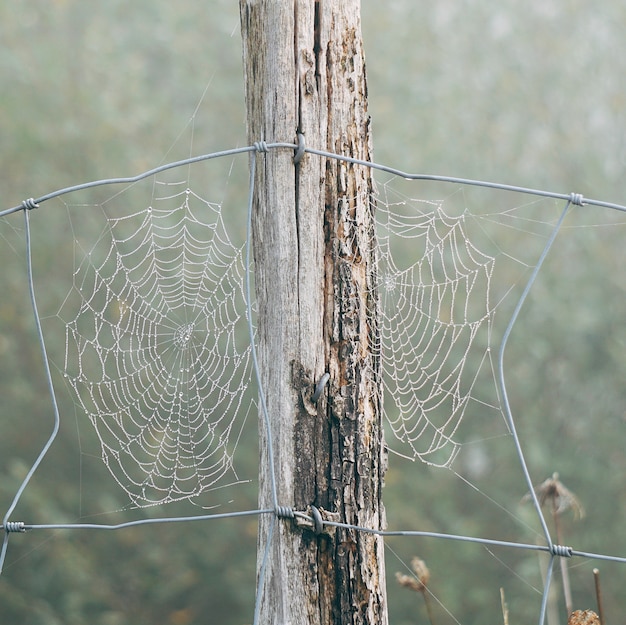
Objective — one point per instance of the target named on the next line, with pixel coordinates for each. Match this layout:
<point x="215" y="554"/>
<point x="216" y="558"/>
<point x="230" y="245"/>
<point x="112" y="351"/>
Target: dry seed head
<point x="408" y="581"/>
<point x="420" y="580"/>
<point x="421" y="571"/>
<point x="583" y="617"/>
<point x="553" y="490"/>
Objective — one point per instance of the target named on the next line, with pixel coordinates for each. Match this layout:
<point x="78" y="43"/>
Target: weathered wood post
<point x="315" y="280"/>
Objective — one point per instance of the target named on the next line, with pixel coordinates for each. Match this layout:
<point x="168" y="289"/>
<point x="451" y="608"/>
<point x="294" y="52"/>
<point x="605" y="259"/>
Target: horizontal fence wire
<point x="280" y="511"/>
<point x="261" y="146"/>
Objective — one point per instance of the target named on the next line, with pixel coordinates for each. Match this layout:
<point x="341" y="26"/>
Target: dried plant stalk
<point x="418" y="582"/>
<point x="560" y="499"/>
<point x="505" y="607"/>
<point x="596" y="579"/>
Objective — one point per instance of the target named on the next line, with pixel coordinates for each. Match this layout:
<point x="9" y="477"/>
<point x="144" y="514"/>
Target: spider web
<point x="432" y="309"/>
<point x="156" y="349"/>
<point x="441" y="278"/>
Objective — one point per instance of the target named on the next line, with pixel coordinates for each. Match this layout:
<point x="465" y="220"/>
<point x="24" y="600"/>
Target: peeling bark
<point x="314" y="250"/>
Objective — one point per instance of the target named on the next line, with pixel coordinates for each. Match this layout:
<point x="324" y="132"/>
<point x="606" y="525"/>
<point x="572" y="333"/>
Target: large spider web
<point x="154" y="351"/>
<point x="433" y="309"/>
<point x="442" y="277"/>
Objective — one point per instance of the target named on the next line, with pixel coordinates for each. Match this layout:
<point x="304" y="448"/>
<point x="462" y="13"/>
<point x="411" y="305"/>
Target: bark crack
<point x="317" y="39"/>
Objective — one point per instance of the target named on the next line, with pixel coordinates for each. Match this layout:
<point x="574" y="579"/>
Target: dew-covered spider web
<point x="446" y="267"/>
<point x="156" y="348"/>
<point x="434" y="303"/>
<point x="157" y="352"/>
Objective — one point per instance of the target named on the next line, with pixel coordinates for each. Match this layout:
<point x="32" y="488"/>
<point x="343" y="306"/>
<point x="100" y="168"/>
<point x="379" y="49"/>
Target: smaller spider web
<point x="156" y="346"/>
<point x="436" y="274"/>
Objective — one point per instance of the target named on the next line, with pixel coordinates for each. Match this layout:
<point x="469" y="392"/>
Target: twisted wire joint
<point x="577" y="199"/>
<point x="14" y="526"/>
<point x="29" y="204"/>
<point x="284" y="512"/>
<point x="561" y="550"/>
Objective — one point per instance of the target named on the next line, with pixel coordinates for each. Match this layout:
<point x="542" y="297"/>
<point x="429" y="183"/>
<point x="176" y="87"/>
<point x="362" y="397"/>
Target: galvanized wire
<point x="48" y="376"/>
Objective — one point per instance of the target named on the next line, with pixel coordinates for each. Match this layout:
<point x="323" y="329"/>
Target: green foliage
<point x="525" y="93"/>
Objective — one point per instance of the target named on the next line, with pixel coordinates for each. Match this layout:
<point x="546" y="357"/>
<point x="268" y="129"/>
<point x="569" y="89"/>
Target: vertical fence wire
<point x="48" y="376"/>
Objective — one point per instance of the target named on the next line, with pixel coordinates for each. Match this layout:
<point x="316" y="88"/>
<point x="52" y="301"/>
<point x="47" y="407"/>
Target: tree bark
<point x="317" y="302"/>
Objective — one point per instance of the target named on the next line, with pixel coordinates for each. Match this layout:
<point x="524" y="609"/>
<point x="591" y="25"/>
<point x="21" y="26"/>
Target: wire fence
<point x="281" y="510"/>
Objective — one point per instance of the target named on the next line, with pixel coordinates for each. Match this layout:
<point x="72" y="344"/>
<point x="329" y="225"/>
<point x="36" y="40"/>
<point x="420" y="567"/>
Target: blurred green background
<point x="522" y="93"/>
